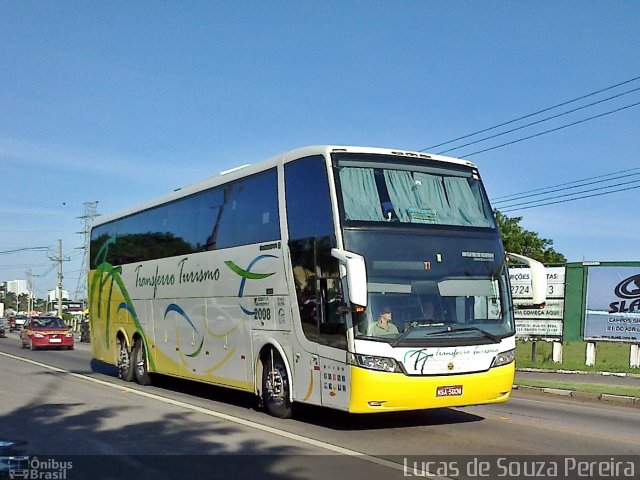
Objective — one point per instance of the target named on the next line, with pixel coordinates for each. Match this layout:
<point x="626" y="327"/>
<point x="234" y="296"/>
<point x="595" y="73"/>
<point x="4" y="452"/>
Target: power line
<point x="51" y="267"/>
<point x="25" y="249"/>
<point x="549" y="190"/>
<point x="23" y="265"/>
<point x="570" y="199"/>
<point x="574" y="193"/>
<point x="13" y="230"/>
<point x="539" y="121"/>
<point x="563" y="184"/>
<point x="551" y="130"/>
<point x="532" y="114"/>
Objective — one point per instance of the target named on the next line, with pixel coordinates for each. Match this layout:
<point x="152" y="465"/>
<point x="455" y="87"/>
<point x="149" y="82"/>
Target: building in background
<point x="19" y="287"/>
<point x="52" y="295"/>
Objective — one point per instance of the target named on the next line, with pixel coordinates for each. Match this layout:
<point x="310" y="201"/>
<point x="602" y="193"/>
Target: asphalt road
<point x="57" y="406"/>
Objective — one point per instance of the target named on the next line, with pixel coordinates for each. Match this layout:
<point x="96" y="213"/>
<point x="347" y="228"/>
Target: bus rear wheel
<point x="140" y="363"/>
<point x="125" y="370"/>
<point x="275" y="386"/>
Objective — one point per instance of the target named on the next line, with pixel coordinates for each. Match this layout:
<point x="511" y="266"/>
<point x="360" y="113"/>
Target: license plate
<point x="55" y="340"/>
<point x="449" y="391"/>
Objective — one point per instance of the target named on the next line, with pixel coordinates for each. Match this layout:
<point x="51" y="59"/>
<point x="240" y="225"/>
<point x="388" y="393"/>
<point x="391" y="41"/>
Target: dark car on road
<point x="3" y="325"/>
<point x="46" y="332"/>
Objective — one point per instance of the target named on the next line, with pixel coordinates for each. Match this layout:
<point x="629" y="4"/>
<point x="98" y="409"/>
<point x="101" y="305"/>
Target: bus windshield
<point x="432" y="288"/>
<point x="377" y="188"/>
<point x="434" y="260"/>
<point x="437" y="311"/>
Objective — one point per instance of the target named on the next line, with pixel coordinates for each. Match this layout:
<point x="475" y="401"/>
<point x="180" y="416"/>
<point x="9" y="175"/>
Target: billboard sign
<point x="520" y="279"/>
<point x="613" y="304"/>
<point x="538" y="328"/>
<point x="538" y="322"/>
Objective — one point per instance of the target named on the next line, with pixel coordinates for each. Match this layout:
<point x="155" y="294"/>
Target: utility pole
<point x="59" y="259"/>
<point x="30" y="289"/>
<point x="59" y="278"/>
<point x="90" y="213"/>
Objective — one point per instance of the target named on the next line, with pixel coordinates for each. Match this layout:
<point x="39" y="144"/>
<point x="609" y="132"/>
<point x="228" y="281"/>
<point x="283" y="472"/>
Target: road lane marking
<point x="223" y="416"/>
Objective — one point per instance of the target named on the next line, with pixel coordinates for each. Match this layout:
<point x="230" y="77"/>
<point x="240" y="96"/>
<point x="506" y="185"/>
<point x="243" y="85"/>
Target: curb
<point x="579" y="372"/>
<point x="583" y="396"/>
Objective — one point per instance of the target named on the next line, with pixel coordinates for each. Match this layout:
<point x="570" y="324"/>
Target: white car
<point x="18" y="322"/>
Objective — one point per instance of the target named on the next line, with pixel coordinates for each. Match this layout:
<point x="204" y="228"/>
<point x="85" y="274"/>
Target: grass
<point x="582" y="387"/>
<point x="610" y="357"/>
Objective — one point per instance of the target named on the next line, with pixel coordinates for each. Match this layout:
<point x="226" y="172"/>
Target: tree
<point x="525" y="242"/>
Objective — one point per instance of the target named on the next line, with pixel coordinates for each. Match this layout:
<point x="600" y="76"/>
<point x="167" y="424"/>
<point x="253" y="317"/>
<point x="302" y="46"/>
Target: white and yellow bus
<point x="361" y="279"/>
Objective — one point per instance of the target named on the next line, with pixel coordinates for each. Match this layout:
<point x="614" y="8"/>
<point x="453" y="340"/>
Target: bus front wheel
<point x="275" y="386"/>
<point x="140" y="363"/>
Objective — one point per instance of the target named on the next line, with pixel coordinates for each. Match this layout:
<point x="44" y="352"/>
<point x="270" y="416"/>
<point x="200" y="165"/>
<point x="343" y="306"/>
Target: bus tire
<point x="140" y="363"/>
<point x="125" y="369"/>
<point x="276" y="386"/>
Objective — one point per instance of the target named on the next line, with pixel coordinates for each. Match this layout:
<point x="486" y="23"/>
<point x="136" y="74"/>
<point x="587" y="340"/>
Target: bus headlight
<point x="504" y="358"/>
<point x="371" y="362"/>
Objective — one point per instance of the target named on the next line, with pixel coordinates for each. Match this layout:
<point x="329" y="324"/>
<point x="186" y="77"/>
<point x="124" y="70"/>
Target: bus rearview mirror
<point x="538" y="279"/>
<point x="356" y="275"/>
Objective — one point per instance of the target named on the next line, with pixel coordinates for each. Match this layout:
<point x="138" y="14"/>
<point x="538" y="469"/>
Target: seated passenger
<point x="429" y="312"/>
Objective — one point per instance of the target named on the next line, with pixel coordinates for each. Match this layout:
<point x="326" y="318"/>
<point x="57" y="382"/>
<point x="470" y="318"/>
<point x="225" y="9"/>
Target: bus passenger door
<point x="332" y="333"/>
<point x="306" y="364"/>
<point x="311" y="231"/>
<point x="322" y="364"/>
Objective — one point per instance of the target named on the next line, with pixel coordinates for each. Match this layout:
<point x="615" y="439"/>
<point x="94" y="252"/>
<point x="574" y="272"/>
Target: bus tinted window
<point x="195" y="218"/>
<point x="307" y="193"/>
<point x="239" y="213"/>
<point x="250" y="211"/>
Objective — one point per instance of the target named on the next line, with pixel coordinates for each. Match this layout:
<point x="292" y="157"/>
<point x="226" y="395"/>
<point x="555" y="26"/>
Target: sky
<point x="121" y="102"/>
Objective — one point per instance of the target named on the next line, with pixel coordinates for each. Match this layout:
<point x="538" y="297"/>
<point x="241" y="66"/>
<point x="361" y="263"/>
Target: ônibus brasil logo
<point x="628" y="289"/>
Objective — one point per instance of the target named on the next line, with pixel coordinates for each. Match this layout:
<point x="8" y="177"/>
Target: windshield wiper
<point x="412" y="326"/>
<point x="449" y="329"/>
<point x="453" y="328"/>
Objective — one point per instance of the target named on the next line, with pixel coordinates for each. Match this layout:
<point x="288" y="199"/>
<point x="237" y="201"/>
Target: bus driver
<point x="384" y="326"/>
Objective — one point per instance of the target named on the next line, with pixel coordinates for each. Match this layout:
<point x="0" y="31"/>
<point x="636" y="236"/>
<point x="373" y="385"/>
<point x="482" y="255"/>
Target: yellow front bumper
<point x="373" y="391"/>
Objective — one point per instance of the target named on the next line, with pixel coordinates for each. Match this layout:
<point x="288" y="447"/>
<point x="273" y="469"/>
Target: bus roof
<point x="250" y="169"/>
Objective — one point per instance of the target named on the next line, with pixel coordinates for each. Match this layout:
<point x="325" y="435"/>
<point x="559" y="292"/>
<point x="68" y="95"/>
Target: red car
<point x="46" y="332"/>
